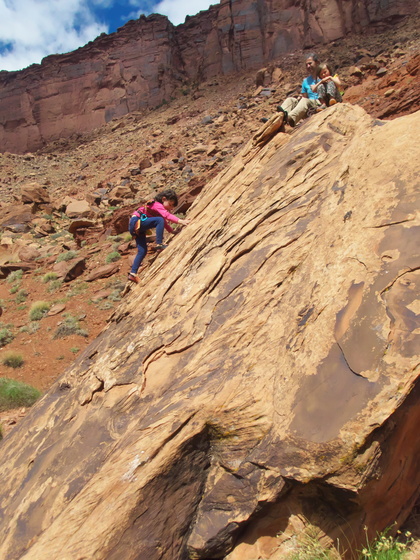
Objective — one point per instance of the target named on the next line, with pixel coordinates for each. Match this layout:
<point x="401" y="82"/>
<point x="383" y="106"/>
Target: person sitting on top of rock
<point x="296" y="108"/>
<point x="327" y="87"/>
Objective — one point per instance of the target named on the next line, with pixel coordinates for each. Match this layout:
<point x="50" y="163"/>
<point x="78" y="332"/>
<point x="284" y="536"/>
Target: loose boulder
<point x="34" y="193"/>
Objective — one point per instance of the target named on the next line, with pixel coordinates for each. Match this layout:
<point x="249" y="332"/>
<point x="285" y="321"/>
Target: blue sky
<point x="32" y="29"/>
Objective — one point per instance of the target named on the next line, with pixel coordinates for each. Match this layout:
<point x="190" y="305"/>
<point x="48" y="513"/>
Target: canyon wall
<point x="148" y="60"/>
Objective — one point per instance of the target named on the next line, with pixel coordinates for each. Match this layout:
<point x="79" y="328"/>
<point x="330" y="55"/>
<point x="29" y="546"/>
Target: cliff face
<point x="144" y="63"/>
<point x="264" y="370"/>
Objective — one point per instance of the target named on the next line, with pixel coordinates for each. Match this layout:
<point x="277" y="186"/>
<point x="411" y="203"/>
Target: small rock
<point x="389" y="92"/>
<point x="103" y="272"/>
<point x="145" y="163"/>
<point x="79" y="209"/>
<point x="381" y="72"/>
<point x="198" y="149"/>
<point x="34" y="192"/>
<point x="207" y="120"/>
<point x="56" y="309"/>
<point x="355" y="71"/>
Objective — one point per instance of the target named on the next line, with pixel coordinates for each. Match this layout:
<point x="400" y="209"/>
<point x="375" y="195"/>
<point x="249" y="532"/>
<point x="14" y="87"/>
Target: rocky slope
<point x="149" y="61"/>
<point x="272" y="374"/>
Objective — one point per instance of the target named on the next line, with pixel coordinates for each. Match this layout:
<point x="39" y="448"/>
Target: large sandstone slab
<point x="264" y="370"/>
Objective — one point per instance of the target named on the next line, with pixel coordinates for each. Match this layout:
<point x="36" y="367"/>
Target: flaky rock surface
<point x="265" y="368"/>
<point x="148" y="60"/>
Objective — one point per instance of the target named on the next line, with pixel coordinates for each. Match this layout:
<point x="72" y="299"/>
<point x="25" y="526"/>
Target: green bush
<point x="6" y="336"/>
<point x="386" y="547"/>
<point x="77" y="289"/>
<point x="38" y="310"/>
<point x="14" y="288"/>
<point x="31" y="328"/>
<point x="112" y="257"/>
<point x="14" y="394"/>
<point x="12" y="359"/>
<point x="54" y="285"/>
<point x="15" y="276"/>
<point x="69" y="326"/>
<point x="21" y="296"/>
<point x="49" y="276"/>
<point x="67" y="256"/>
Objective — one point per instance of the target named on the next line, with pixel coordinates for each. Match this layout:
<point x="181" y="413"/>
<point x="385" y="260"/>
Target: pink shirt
<point x="157" y="209"/>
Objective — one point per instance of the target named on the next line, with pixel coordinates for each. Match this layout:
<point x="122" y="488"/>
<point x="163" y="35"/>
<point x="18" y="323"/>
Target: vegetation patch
<point x="49" y="276"/>
<point x="15" y="276"/>
<point x="67" y="256"/>
<point x="12" y="359"/>
<point x="77" y="289"/>
<point x="112" y="257"/>
<point x="38" y="310"/>
<point x="21" y="296"/>
<point x="31" y="328"/>
<point x="309" y="547"/>
<point x="14" y="394"/>
<point x="387" y="547"/>
<point x="70" y="325"/>
<point x="54" y="286"/>
<point x="6" y="336"/>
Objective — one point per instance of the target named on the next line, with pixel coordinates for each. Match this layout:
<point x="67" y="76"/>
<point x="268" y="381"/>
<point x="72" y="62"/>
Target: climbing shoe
<point x="160" y="247"/>
<point x="133" y="278"/>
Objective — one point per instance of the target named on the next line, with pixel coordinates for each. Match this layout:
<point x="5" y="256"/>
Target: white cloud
<point x="32" y="29"/>
<point x="175" y="10"/>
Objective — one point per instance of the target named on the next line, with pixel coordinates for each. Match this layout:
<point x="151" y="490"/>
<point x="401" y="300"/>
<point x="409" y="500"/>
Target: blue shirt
<point x="306" y="87"/>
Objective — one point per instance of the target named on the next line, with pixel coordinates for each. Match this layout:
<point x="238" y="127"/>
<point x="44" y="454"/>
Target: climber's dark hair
<point x="169" y="194"/>
<point x="313" y="56"/>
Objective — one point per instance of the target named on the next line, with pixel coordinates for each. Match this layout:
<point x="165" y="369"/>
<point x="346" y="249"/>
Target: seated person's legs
<point x="322" y="94"/>
<point x="301" y="110"/>
<point x="289" y="104"/>
<point x="332" y="93"/>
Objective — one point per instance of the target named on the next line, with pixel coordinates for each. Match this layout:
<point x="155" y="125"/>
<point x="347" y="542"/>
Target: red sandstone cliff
<point x="147" y="60"/>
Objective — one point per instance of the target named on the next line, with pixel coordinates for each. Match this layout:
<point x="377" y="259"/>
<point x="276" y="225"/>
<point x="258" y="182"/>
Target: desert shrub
<point x="386" y="547"/>
<point x="309" y="547"/>
<point x="74" y="349"/>
<point x="21" y="296"/>
<point x="69" y="326"/>
<point x="54" y="285"/>
<point x="115" y="295"/>
<point x="14" y="394"/>
<point x="112" y="257"/>
<point x="12" y="359"/>
<point x="31" y="328"/>
<point x="14" y="288"/>
<point x="38" y="310"/>
<point x="105" y="305"/>
<point x="49" y="276"/>
<point x="15" y="276"/>
<point x="77" y="288"/>
<point x="6" y="336"/>
<point x="66" y="256"/>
